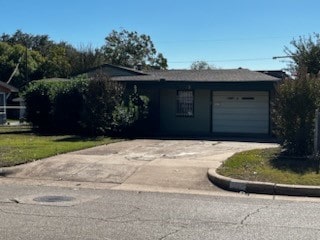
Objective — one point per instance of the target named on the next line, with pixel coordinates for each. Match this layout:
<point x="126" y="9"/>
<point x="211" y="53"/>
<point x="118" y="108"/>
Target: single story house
<point x="5" y="90"/>
<point x="202" y="102"/>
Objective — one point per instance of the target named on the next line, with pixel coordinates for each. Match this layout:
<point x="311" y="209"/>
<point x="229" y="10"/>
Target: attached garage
<point x="240" y="112"/>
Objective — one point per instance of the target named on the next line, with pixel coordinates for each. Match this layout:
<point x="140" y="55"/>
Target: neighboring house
<point x="113" y="71"/>
<point x="203" y="102"/>
<point x="5" y="90"/>
<point x="21" y="107"/>
<point x="275" y="73"/>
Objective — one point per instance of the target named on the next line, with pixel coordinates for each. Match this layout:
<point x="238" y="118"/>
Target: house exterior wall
<point x="163" y="117"/>
<point x="152" y="123"/>
<point x="3" y="115"/>
<point x="198" y="124"/>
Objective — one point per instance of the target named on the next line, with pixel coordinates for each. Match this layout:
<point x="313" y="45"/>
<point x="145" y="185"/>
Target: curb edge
<point x="237" y="185"/>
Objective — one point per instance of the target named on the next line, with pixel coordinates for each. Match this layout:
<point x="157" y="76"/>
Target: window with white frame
<point x="2" y="102"/>
<point x="185" y="103"/>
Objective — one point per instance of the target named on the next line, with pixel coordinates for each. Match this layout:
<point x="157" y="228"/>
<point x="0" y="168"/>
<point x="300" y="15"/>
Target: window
<point x="185" y="103"/>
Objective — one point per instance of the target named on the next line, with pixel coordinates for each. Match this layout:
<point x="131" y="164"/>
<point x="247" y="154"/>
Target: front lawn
<point x="269" y="165"/>
<point x="18" y="144"/>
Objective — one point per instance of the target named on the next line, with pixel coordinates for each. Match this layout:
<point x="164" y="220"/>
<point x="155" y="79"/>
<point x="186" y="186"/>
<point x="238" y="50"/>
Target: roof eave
<point x="7" y="88"/>
<point x="193" y="81"/>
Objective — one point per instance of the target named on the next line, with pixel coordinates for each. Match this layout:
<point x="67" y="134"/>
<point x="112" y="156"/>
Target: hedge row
<point x="81" y="106"/>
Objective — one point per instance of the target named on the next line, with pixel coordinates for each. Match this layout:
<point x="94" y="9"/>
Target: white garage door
<point x="240" y="112"/>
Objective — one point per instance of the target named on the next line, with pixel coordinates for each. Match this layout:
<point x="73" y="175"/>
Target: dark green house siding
<point x="163" y="96"/>
<point x="199" y="123"/>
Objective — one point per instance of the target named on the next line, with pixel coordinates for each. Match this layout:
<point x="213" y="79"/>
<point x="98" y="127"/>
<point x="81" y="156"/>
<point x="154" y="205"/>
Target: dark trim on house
<point x="216" y="86"/>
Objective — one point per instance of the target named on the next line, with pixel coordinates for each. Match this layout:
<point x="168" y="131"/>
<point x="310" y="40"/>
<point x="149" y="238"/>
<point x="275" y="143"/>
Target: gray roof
<point x="7" y="87"/>
<point x="215" y="75"/>
<point x="113" y="70"/>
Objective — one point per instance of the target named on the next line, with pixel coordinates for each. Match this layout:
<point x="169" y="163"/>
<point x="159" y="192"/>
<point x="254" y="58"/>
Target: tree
<point x="130" y="49"/>
<point x="306" y="55"/>
<point x="39" y="43"/>
<point x="56" y="63"/>
<point x="293" y="114"/>
<point x="11" y="55"/>
<point x="85" y="57"/>
<point x="200" y="65"/>
<point x="40" y="57"/>
<point x="45" y="58"/>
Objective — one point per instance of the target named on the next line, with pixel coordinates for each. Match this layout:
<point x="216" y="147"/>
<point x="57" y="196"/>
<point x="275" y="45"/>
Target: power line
<point x="229" y="39"/>
<point x="227" y="60"/>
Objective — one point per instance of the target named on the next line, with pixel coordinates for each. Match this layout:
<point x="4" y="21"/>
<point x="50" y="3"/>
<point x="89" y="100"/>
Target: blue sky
<point x="226" y="33"/>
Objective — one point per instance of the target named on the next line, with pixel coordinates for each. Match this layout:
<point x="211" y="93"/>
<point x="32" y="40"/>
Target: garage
<point x="240" y="112"/>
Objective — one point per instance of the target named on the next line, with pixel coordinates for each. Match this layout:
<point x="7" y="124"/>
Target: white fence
<point x="3" y="112"/>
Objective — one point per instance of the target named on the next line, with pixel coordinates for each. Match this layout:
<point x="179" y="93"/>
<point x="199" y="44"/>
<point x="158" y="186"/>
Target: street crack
<point x="110" y="219"/>
<point x="251" y="214"/>
<point x="172" y="233"/>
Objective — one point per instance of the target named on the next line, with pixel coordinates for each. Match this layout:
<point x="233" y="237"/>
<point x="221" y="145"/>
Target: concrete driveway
<point x="138" y="164"/>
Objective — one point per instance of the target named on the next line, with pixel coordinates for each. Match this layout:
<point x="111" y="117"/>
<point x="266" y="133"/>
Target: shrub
<point x="54" y="106"/>
<point x="130" y="116"/>
<point x="94" y="107"/>
<point x="38" y="99"/>
<point x="293" y="114"/>
<point x="100" y="100"/>
<point x="67" y="106"/>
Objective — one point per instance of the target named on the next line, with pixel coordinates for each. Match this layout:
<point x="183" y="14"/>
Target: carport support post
<point x="316" y="141"/>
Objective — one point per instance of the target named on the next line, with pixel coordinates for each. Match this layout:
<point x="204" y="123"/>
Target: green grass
<point x="269" y="165"/>
<point x="18" y="144"/>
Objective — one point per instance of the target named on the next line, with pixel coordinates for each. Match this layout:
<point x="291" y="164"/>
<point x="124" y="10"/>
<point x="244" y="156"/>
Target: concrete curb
<point x="236" y="185"/>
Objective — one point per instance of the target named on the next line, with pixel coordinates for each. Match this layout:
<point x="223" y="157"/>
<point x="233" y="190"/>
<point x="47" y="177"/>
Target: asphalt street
<point x="38" y="212"/>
